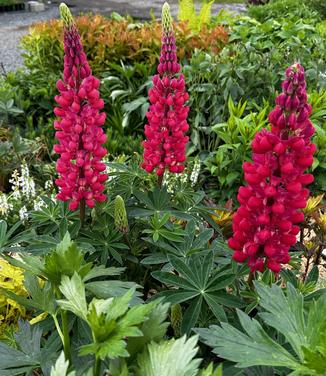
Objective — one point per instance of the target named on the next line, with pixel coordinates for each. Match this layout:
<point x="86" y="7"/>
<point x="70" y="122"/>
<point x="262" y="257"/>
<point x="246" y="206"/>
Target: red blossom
<point x="79" y="125"/>
<point x="165" y="144"/>
<point x="266" y="224"/>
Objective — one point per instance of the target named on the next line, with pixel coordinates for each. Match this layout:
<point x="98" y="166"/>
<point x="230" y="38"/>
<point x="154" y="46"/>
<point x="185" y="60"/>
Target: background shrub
<point x="111" y="41"/>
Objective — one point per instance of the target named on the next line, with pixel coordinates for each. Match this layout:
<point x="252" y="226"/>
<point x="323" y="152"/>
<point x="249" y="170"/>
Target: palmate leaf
<point x="305" y="334"/>
<point x="29" y="354"/>
<point x="10" y="237"/>
<point x="198" y="282"/>
<point x="170" y="358"/>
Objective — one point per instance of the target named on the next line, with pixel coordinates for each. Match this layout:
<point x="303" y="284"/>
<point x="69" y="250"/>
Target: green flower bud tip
<point x="66" y="15"/>
<point x="120" y="215"/>
<point x="166" y="18"/>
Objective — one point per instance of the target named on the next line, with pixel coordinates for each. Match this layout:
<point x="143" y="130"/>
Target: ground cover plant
<point x="166" y="216"/>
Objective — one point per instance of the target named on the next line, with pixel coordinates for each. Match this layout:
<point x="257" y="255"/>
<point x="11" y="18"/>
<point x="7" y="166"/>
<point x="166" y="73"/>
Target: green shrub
<point x="278" y="9"/>
<point x="111" y="41"/>
<point x="319" y="6"/>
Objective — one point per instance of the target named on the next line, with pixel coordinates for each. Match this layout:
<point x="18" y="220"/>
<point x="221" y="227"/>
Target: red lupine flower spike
<point x="265" y="225"/>
<point x="165" y="145"/>
<point x="79" y="127"/>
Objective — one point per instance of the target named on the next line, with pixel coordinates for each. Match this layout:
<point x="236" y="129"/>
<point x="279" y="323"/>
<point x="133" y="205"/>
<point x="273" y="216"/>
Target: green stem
<point x="57" y="326"/>
<point x="250" y="280"/>
<point x="160" y="181"/>
<point x="82" y="211"/>
<point x="97" y="367"/>
<point x="66" y="337"/>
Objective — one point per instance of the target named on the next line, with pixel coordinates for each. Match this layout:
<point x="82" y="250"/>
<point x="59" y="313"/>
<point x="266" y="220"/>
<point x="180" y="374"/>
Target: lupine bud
<point x="264" y="226"/>
<point x="165" y="144"/>
<point x="78" y="128"/>
<point x="120" y="215"/>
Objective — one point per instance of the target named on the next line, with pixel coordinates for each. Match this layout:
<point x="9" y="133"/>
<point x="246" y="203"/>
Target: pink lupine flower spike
<point x="266" y="224"/>
<point x="165" y="144"/>
<point x="79" y="125"/>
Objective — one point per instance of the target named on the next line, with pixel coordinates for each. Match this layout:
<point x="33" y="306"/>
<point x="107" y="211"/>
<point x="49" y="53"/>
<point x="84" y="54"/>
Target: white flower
<point x="5" y="206"/>
<point x="15" y="185"/>
<point x="23" y="213"/>
<point x="23" y="184"/>
<point x="38" y="203"/>
<point x="48" y="185"/>
<point x="195" y="172"/>
<point x="27" y="183"/>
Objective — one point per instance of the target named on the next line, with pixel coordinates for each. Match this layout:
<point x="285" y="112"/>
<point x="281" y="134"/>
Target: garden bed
<point x="162" y="195"/>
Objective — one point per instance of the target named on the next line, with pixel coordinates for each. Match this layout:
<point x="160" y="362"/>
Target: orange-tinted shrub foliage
<point x="107" y="41"/>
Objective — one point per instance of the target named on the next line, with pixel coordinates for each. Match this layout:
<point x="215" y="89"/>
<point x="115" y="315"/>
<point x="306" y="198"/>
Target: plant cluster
<point x="142" y="282"/>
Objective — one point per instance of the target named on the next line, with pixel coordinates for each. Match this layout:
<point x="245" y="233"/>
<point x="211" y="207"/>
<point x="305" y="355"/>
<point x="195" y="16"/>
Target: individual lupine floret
<point x="165" y="145"/>
<point x="79" y="127"/>
<point x="266" y="224"/>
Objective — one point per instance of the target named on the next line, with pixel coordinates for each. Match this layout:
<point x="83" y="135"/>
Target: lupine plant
<point x="79" y="126"/>
<point x="266" y="224"/>
<point x="165" y="145"/>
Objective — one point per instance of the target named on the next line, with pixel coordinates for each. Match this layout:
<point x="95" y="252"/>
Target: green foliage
<point x="170" y="358"/>
<point x="318" y="102"/>
<point x="110" y="320"/>
<point x="124" y="88"/>
<point x="235" y="148"/>
<point x="162" y="228"/>
<point x="198" y="282"/>
<point x="278" y="9"/>
<point x="29" y="352"/>
<point x="305" y="334"/>
<point x="9" y="238"/>
<point x="319" y="6"/>
<point x="187" y="13"/>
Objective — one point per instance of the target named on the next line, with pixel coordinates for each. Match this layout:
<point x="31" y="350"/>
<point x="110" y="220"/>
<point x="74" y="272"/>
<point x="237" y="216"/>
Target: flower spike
<point x="165" y="144"/>
<point x="266" y="224"/>
<point x="79" y="125"/>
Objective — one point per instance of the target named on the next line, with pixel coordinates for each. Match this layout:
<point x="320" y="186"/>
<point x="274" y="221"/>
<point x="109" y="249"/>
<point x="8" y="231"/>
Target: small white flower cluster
<point x="23" y="214"/>
<point x="23" y="194"/>
<point x="5" y="206"/>
<point x="195" y="172"/>
<point x="23" y="184"/>
<point x="170" y="179"/>
<point x="48" y="185"/>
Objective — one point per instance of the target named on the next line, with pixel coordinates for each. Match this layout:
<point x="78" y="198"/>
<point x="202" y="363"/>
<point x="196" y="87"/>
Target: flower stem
<point x="97" y="367"/>
<point x="82" y="211"/>
<point x="66" y="338"/>
<point x="160" y="180"/>
<point x="251" y="279"/>
<point x="57" y="326"/>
